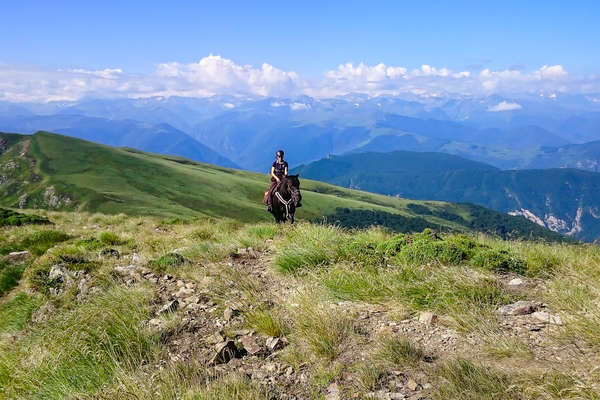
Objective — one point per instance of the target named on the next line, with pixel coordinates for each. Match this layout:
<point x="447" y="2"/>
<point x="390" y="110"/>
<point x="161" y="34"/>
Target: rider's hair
<point x="280" y="152"/>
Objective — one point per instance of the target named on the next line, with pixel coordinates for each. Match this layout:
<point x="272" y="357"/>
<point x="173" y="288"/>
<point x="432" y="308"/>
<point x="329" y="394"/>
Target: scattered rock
<point x="224" y="352"/>
<point x="412" y="384"/>
<point x="136" y="259"/>
<point x="170" y="307"/>
<point x="515" y="282"/>
<point x="250" y="345"/>
<point x="247" y="252"/>
<point x="242" y="332"/>
<point x="215" y="338"/>
<point x="59" y="273"/>
<point x="427" y="318"/>
<point x="547" y="317"/>
<point x="18" y="256"/>
<point x="62" y="278"/>
<point x="521" y="307"/>
<point x="229" y="313"/>
<point x="274" y="343"/>
<point x="154" y="322"/>
<point x="333" y="392"/>
<point x="183" y="292"/>
<point x="130" y="270"/>
<point x="43" y="313"/>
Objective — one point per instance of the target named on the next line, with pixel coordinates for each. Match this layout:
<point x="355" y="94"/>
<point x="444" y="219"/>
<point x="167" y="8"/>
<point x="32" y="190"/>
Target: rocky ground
<point x="214" y="334"/>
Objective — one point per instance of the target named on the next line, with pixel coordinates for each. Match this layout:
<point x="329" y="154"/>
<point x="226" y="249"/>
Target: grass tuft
<point x="467" y="381"/>
<point x="399" y="351"/>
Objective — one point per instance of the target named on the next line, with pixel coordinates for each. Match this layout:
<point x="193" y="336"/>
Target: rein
<point x="285" y="203"/>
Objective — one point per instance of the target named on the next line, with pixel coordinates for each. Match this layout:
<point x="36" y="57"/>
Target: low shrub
<point x="167" y="262"/>
<point x="89" y="243"/>
<point x="110" y="239"/>
<point x="499" y="261"/>
<point x="39" y="242"/>
<point x="10" y="275"/>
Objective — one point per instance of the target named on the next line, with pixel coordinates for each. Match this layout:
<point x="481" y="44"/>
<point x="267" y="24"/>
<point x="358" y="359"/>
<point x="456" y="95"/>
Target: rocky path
<point x="201" y="324"/>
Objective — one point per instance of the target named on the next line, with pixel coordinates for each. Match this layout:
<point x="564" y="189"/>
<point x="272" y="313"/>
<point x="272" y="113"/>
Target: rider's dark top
<point x="280" y="168"/>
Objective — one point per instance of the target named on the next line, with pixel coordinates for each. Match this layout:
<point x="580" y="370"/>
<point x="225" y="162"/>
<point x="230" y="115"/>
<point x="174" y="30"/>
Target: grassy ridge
<point x="335" y="294"/>
<point x="58" y="172"/>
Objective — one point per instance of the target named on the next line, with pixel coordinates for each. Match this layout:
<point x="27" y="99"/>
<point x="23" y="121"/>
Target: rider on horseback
<point x="279" y="170"/>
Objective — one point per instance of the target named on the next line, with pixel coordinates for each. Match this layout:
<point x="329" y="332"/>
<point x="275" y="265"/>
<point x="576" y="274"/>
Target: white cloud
<point x="505" y="106"/>
<point x="299" y="106"/>
<point x="214" y="75"/>
<point x="229" y="105"/>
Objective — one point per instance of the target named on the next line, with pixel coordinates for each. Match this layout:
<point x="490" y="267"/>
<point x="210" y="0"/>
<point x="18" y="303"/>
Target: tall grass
<point x="16" y="312"/>
<point x="78" y="351"/>
<point x="319" y="329"/>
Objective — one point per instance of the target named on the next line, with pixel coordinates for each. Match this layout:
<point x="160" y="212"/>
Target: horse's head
<point x="292" y="184"/>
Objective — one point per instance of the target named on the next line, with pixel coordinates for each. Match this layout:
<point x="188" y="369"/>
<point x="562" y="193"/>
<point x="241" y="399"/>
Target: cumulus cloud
<point x="215" y="75"/>
<point x="505" y="106"/>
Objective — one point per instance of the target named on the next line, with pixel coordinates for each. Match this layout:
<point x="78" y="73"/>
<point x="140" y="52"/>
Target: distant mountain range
<point x="156" y="138"/>
<point x="533" y="132"/>
<point x="563" y="200"/>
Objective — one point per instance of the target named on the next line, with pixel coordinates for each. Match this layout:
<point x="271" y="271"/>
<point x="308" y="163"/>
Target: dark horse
<point x="286" y="198"/>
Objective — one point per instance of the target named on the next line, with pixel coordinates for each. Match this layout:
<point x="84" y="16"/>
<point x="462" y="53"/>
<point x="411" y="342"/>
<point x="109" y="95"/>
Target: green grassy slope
<point x="56" y="172"/>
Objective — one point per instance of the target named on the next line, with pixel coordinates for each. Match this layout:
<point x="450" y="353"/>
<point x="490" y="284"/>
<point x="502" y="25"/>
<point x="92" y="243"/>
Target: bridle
<point x="286" y="203"/>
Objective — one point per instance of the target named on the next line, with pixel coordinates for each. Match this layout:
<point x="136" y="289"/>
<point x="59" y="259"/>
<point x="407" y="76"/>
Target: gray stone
<point x="169" y="307"/>
<point x="18" y="256"/>
<point x="274" y="343"/>
<point x="521" y="307"/>
<point x="515" y="282"/>
<point x="333" y="392"/>
<point x="250" y="345"/>
<point x="60" y="274"/>
<point x="412" y="384"/>
<point x="427" y="318"/>
<point x="130" y="270"/>
<point x="183" y="292"/>
<point x="547" y="318"/>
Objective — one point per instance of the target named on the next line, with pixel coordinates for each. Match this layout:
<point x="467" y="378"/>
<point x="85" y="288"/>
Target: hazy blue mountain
<point x="156" y="138"/>
<point x="249" y="130"/>
<point x="564" y="200"/>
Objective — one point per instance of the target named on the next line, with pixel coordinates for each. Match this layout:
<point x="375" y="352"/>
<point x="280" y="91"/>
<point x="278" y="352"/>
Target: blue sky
<point x="311" y="39"/>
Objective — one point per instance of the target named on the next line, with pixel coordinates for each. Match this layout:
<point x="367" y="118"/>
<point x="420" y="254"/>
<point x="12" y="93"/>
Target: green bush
<point x="16" y="312"/>
<point x="110" y="238"/>
<point x="9" y="276"/>
<point x="38" y="242"/>
<point x="89" y="243"/>
<point x="393" y="246"/>
<point x="499" y="261"/>
<point x="430" y="249"/>
<point x="12" y="218"/>
<point x="167" y="262"/>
